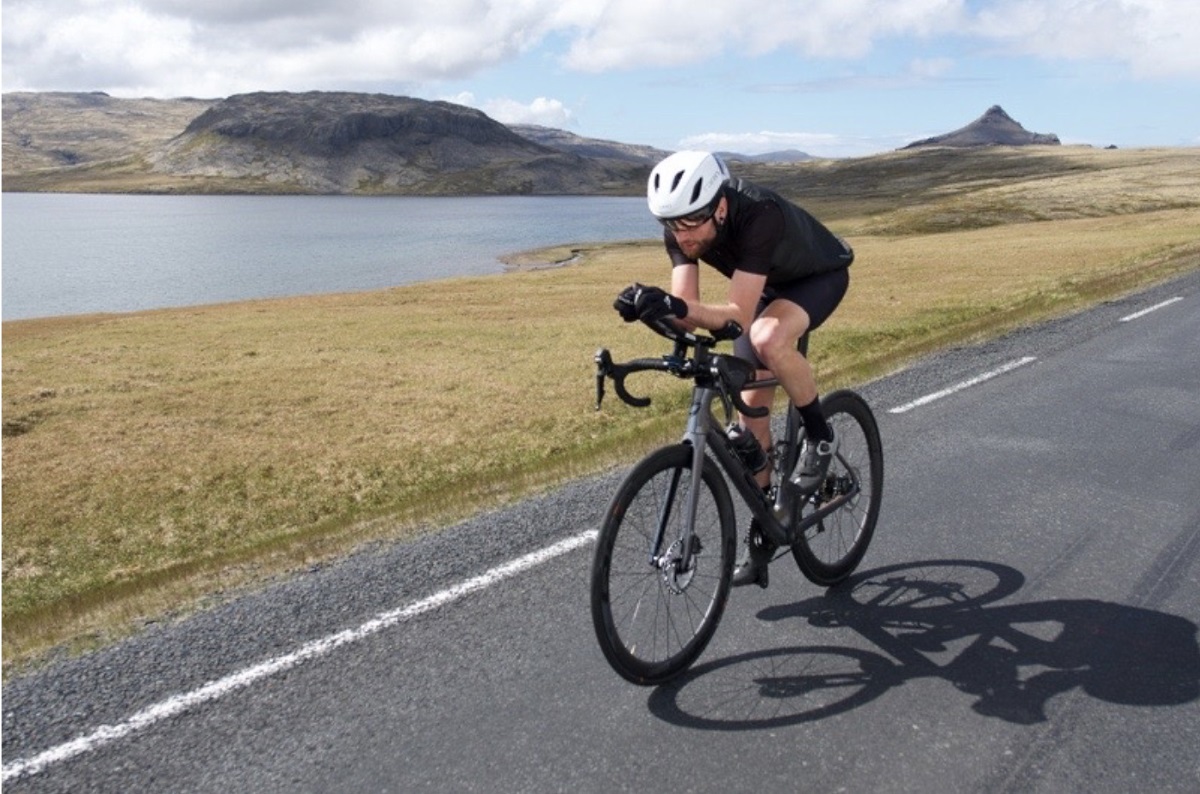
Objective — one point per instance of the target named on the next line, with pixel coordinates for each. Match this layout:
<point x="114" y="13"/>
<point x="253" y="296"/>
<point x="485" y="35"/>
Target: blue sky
<point x="833" y="78"/>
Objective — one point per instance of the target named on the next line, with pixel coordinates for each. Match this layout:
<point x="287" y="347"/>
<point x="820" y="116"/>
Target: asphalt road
<point x="1025" y="620"/>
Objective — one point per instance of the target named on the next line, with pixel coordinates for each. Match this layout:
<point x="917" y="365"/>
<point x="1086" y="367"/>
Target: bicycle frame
<point x="776" y="518"/>
<point x="712" y="382"/>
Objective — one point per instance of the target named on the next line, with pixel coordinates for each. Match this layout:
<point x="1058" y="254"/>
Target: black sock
<point x="814" y="421"/>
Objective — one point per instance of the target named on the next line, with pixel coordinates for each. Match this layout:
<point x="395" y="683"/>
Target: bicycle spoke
<point x="652" y="615"/>
<point x="828" y="551"/>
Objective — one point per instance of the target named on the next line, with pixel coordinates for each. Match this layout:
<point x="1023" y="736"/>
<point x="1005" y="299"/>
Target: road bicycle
<point x="665" y="553"/>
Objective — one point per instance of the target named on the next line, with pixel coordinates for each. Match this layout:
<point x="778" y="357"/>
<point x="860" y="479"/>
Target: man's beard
<point x="696" y="250"/>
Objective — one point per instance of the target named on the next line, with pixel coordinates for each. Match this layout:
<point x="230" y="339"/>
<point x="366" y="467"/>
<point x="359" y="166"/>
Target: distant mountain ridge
<point x="338" y="143"/>
<point x="564" y="141"/>
<point x="781" y="157"/>
<point x="993" y="128"/>
<point x="278" y="142"/>
<point x="593" y="147"/>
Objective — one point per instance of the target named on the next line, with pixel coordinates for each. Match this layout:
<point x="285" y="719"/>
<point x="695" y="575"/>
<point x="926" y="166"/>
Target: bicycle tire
<point x="652" y="619"/>
<point x="830" y="550"/>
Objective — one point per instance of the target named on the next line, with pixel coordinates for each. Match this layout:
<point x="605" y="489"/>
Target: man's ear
<point x="722" y="210"/>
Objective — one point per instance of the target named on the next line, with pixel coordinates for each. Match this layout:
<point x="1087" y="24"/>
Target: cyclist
<point x="787" y="273"/>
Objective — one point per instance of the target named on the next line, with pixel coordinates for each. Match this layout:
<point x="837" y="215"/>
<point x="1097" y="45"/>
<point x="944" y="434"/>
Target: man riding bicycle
<point x="787" y="273"/>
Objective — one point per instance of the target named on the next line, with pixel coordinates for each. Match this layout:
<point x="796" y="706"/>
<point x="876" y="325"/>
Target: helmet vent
<point x="697" y="190"/>
<point x="675" y="182"/>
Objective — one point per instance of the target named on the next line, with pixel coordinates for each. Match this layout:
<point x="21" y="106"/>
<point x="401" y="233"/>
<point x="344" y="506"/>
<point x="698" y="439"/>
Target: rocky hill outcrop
<point x="46" y="130"/>
<point x="375" y="143"/>
<point x="319" y="142"/>
<point x="993" y="128"/>
<point x="563" y="141"/>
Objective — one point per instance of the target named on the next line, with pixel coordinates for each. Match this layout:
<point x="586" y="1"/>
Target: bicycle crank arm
<point x="827" y="509"/>
<point x="777" y="523"/>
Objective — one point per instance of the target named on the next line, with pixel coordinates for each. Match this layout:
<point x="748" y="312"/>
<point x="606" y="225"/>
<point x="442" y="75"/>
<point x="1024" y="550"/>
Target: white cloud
<point x="636" y="33"/>
<point x="44" y="47"/>
<point x="543" y="111"/>
<point x="172" y="48"/>
<point x="219" y="47"/>
<point x="462" y="98"/>
<point x="1155" y="38"/>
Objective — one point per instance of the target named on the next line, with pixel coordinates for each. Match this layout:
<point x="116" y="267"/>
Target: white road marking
<point x="1010" y="366"/>
<point x="106" y="734"/>
<point x="1153" y="308"/>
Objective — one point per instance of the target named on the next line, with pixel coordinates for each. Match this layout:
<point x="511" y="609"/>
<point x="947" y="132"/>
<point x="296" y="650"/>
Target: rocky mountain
<point x="331" y="142"/>
<point x="781" y="157"/>
<point x="993" y="128"/>
<point x="55" y="130"/>
<point x="376" y="143"/>
<point x="564" y="141"/>
<point x="318" y="142"/>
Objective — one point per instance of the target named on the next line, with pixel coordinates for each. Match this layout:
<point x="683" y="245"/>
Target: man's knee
<point x="770" y="341"/>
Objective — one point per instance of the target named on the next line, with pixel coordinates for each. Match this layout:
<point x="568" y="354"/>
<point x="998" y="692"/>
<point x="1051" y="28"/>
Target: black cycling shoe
<point x="813" y="465"/>
<point x="753" y="568"/>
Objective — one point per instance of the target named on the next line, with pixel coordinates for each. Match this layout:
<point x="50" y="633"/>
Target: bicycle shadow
<point x="933" y="620"/>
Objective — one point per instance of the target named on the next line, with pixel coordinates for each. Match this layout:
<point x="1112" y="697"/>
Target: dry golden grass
<point x="151" y="460"/>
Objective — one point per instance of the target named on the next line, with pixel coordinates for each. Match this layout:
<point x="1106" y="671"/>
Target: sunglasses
<point x="689" y="222"/>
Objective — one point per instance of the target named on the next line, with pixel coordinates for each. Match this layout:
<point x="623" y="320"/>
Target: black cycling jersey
<point x="765" y="233"/>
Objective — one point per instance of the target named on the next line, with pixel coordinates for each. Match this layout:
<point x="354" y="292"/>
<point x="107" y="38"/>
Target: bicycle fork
<point x="676" y="566"/>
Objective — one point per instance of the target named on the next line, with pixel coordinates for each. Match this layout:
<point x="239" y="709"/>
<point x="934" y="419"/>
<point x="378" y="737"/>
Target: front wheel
<point x="831" y="549"/>
<point x="655" y="607"/>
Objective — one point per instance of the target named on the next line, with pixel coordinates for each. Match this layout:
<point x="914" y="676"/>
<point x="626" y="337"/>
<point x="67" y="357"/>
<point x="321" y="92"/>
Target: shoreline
<point x="556" y="256"/>
<point x="540" y="259"/>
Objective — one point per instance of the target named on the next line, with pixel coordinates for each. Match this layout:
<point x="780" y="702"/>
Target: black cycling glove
<point x="653" y="303"/>
<point x="639" y="302"/>
<point x="624" y="304"/>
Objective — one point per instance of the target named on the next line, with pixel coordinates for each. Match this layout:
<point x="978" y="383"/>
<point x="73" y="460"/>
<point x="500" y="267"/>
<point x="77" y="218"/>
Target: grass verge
<point x="156" y="461"/>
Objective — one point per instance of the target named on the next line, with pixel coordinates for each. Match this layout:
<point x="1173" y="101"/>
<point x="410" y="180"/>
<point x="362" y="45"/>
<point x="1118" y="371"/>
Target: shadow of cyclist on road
<point x="938" y="620"/>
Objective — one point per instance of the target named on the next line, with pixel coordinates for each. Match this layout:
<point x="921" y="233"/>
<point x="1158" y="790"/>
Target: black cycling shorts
<point x="818" y="295"/>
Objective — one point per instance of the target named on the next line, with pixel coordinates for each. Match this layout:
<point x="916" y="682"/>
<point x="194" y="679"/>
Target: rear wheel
<point x="654" y="612"/>
<point x="830" y="550"/>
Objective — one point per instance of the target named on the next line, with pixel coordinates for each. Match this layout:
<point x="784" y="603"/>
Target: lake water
<point x="74" y="254"/>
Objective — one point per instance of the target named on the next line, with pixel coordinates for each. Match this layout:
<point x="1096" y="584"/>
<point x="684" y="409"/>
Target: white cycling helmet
<point x="685" y="183"/>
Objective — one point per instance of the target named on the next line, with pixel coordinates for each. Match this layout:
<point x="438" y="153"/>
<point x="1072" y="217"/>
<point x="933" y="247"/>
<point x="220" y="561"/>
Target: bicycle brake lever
<point x="736" y="373"/>
<point x="603" y="361"/>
